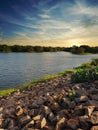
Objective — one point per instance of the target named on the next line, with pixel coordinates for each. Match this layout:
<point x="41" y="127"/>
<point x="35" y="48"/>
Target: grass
<point x="7" y="91"/>
<point x="85" y="72"/>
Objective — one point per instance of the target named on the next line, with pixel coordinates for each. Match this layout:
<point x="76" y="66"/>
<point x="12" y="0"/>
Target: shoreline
<point x="8" y="91"/>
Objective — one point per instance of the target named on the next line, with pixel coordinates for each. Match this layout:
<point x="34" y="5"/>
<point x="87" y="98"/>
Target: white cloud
<point x="81" y="8"/>
<point x="44" y="16"/>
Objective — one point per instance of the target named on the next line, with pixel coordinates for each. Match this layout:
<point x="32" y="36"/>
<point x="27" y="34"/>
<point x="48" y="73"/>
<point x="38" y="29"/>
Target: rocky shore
<point x="53" y="105"/>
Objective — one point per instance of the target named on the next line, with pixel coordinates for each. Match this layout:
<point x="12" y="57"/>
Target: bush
<point x="85" y="75"/>
<point x="94" y="62"/>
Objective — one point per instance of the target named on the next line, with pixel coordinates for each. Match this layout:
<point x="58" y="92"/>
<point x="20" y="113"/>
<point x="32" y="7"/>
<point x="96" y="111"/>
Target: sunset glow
<point x="49" y="22"/>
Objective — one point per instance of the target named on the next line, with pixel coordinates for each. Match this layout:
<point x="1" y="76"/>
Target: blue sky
<point x="49" y="22"/>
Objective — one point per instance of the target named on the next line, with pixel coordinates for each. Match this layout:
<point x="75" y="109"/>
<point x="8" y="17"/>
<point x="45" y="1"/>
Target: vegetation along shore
<point x="83" y="49"/>
<point x="66" y="101"/>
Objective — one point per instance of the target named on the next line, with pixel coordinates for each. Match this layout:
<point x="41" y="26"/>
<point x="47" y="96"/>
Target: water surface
<point x="20" y="68"/>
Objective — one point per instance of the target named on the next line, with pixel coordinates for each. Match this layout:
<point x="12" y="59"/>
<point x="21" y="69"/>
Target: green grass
<point x="7" y="91"/>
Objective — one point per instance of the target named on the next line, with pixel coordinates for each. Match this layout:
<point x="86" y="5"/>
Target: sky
<point x="61" y="23"/>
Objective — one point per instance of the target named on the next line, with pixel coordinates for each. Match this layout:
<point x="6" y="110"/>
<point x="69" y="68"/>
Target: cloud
<point x="64" y="21"/>
<point x="81" y="8"/>
<point x="44" y="16"/>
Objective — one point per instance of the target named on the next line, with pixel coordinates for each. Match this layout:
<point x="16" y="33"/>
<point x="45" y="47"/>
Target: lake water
<point x="20" y="68"/>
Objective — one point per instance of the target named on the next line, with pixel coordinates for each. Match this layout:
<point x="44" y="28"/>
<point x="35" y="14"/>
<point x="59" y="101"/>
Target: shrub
<point x="85" y="75"/>
<point x="94" y="62"/>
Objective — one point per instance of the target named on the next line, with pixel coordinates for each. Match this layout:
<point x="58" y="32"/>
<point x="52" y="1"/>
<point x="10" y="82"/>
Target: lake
<point x="20" y="68"/>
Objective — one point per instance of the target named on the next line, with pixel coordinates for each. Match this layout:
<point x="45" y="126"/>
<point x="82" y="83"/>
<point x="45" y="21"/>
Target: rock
<point x="60" y="124"/>
<point x="94" y="128"/>
<point x="1" y="120"/>
<point x="65" y="103"/>
<point x="94" y="117"/>
<point x="1" y="109"/>
<point x="82" y="99"/>
<point x="24" y="120"/>
<point x="93" y="90"/>
<point x="73" y="123"/>
<point x="89" y="110"/>
<point x="51" y="116"/>
<point x="19" y="111"/>
<point x="47" y="110"/>
<point x="9" y="112"/>
<point x="84" y="123"/>
<point x="46" y="127"/>
<point x="33" y="112"/>
<point x="78" y="111"/>
<point x="12" y="123"/>
<point x="50" y="99"/>
<point x="35" y="105"/>
<point x="62" y="113"/>
<point x="37" y="118"/>
<point x="72" y="105"/>
<point x="29" y="125"/>
<point x="93" y="103"/>
<point x="9" y="123"/>
<point x="94" y="97"/>
<point x="43" y="122"/>
<point x="55" y="107"/>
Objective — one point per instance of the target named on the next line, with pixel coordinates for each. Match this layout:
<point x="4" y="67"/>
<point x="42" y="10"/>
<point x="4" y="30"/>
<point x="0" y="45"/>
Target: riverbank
<point x="52" y="103"/>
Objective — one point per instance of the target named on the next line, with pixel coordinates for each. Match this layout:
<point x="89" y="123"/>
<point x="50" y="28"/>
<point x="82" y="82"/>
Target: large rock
<point x="43" y="123"/>
<point x="24" y="120"/>
<point x="9" y="123"/>
<point x="81" y="99"/>
<point x="89" y="110"/>
<point x="78" y="111"/>
<point x="55" y="107"/>
<point x="19" y="111"/>
<point x="47" y="110"/>
<point x="51" y="116"/>
<point x="93" y="103"/>
<point x="65" y="103"/>
<point x="1" y="120"/>
<point x="94" y="97"/>
<point x="84" y="122"/>
<point x="94" y="128"/>
<point x="37" y="118"/>
<point x="94" y="117"/>
<point x="73" y="124"/>
<point x="60" y="124"/>
<point x="46" y="127"/>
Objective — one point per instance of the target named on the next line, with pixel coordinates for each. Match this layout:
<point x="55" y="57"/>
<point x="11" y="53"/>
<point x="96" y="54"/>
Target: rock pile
<point x="54" y="105"/>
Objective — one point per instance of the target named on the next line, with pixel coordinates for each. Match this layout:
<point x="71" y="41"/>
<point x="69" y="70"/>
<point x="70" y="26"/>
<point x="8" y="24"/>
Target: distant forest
<point x="75" y="49"/>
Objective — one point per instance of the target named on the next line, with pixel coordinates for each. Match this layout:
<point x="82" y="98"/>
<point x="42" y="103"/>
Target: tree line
<point x="75" y="49"/>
